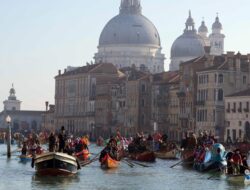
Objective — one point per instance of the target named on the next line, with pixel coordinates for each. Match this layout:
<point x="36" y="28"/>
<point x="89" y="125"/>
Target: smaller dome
<point x="187" y="45"/>
<point x="217" y="24"/>
<point x="203" y="28"/>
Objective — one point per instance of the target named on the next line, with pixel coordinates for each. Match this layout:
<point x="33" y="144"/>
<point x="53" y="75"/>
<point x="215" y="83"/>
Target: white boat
<point x="55" y="163"/>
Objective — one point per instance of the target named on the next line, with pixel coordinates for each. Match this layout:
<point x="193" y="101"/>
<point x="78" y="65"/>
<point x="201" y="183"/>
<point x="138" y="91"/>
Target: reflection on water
<point x="51" y="182"/>
<point x="16" y="175"/>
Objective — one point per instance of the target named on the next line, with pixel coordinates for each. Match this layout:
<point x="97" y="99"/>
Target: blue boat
<point x="25" y="158"/>
<point x="215" y="159"/>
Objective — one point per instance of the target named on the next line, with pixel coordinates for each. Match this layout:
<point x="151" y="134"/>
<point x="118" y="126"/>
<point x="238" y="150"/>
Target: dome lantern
<point x="130" y="7"/>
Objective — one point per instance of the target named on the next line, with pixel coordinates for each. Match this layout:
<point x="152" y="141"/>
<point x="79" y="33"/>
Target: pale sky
<point x="39" y="37"/>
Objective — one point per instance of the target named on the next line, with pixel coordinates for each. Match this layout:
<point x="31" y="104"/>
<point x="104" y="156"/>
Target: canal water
<point x="15" y="175"/>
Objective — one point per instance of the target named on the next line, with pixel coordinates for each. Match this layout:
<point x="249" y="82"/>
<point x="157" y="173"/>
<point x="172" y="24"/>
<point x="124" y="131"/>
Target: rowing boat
<point x="25" y="158"/>
<point x="55" y="163"/>
<point x="146" y="156"/>
<point x="108" y="163"/>
<point x="173" y="154"/>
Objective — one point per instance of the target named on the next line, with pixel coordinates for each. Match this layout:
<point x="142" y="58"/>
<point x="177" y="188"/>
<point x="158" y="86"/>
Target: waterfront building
<point x="76" y="93"/>
<point x="237" y="116"/>
<point x="226" y="74"/>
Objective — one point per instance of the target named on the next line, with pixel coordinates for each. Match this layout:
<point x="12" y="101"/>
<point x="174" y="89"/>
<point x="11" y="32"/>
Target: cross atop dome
<point x="130" y="7"/>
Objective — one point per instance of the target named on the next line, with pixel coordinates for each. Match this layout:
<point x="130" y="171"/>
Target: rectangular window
<point x="240" y="123"/>
<point x="240" y="133"/>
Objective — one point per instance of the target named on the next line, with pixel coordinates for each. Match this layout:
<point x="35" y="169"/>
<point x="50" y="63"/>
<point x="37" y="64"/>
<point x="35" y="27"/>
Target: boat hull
<point x="25" y="158"/>
<point x="211" y="165"/>
<point x="143" y="157"/>
<point x="54" y="164"/>
<point x="167" y="155"/>
<point x="187" y="157"/>
<point x="109" y="163"/>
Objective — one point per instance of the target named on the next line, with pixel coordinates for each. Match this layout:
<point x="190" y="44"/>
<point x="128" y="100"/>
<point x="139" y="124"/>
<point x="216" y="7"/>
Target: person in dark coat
<point x="52" y="142"/>
<point x="62" y="140"/>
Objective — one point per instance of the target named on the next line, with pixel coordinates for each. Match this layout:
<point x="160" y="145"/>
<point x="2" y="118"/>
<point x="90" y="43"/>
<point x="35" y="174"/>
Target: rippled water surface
<point x="16" y="175"/>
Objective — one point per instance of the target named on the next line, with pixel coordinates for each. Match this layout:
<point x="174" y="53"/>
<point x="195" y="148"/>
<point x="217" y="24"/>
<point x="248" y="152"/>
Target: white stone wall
<point x="12" y="105"/>
<point x="126" y="56"/>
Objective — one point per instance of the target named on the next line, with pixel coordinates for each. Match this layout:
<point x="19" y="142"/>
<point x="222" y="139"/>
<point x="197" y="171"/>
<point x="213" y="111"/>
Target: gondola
<point x="187" y="157"/>
<point x="212" y="160"/>
<point x="108" y="163"/>
<point x="55" y="163"/>
<point x="147" y="156"/>
<point x="172" y="154"/>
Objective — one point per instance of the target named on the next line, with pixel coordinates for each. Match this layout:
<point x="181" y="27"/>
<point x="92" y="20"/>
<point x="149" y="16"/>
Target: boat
<point x="187" y="157"/>
<point x="172" y="154"/>
<point x="213" y="160"/>
<point x="83" y="155"/>
<point x="239" y="178"/>
<point x="25" y="158"/>
<point x="55" y="163"/>
<point x="108" y="163"/>
<point x="147" y="156"/>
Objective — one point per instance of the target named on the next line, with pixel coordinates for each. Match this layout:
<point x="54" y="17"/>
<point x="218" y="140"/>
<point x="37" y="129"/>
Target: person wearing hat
<point x="62" y="139"/>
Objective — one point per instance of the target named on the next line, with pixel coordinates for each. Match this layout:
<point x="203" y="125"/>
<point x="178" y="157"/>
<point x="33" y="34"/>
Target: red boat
<point x="187" y="157"/>
<point x="108" y="163"/>
<point x="147" y="156"/>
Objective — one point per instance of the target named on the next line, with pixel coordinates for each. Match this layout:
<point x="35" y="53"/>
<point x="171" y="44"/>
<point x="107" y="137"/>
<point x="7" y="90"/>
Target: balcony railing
<point x="234" y="110"/>
<point x="239" y="110"/>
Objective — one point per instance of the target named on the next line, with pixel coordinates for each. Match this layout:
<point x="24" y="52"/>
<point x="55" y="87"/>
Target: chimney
<point x="59" y="72"/>
<point x="238" y="62"/>
<point x="230" y="59"/>
<point x="65" y="70"/>
<point x="46" y="105"/>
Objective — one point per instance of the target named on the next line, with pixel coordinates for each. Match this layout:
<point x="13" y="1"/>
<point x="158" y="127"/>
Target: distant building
<point x="226" y="74"/>
<point x="77" y="93"/>
<point x="237" y="116"/>
<point x="131" y="39"/>
<point x="12" y="103"/>
<point x="191" y="44"/>
<point x="22" y="120"/>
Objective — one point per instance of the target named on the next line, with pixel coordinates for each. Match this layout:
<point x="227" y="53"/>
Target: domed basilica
<point x="191" y="44"/>
<point x="131" y="39"/>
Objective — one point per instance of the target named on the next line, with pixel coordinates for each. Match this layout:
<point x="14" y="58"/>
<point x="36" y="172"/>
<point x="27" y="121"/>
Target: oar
<point x="128" y="163"/>
<point x="177" y="163"/>
<point x="140" y="164"/>
<point x="90" y="161"/>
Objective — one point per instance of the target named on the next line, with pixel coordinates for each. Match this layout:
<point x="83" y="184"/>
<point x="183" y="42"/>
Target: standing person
<point x="236" y="161"/>
<point x="52" y="142"/>
<point x="62" y="140"/>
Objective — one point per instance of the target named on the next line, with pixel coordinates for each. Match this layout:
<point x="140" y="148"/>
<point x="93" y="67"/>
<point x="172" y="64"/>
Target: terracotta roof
<point x="241" y="93"/>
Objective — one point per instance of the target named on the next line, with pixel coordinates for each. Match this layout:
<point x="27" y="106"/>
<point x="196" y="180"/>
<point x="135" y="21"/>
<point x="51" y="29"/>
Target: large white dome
<point x="130" y="39"/>
<point x="130" y="29"/>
